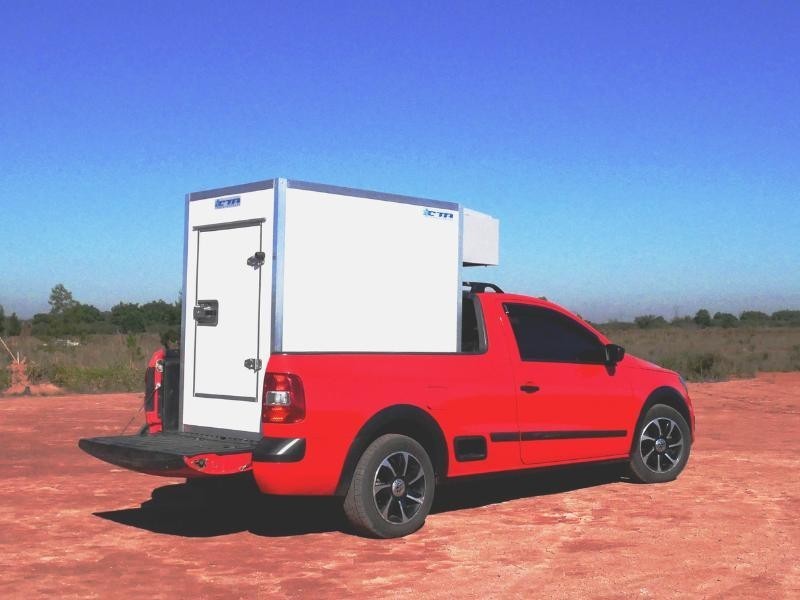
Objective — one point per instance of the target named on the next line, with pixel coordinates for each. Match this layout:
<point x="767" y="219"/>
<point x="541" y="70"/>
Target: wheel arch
<point x="403" y="419"/>
<point x="668" y="396"/>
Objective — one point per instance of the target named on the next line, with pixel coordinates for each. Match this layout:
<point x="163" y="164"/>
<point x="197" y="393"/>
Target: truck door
<point x="570" y="405"/>
<point x="227" y="350"/>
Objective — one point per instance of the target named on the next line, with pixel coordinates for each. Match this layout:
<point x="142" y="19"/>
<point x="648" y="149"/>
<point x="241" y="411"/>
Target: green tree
<point x="649" y="321"/>
<point x="41" y="324"/>
<point x="753" y="317"/>
<point x="82" y="313"/>
<point x="60" y="299"/>
<point x="127" y="317"/>
<point x="703" y="318"/>
<point x="685" y="321"/>
<point x="789" y="318"/>
<point x="724" y="320"/>
<point x="159" y="312"/>
<point x="13" y="325"/>
<point x="2" y="319"/>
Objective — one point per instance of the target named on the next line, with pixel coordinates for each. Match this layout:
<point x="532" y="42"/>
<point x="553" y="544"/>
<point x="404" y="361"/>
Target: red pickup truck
<point x="533" y="386"/>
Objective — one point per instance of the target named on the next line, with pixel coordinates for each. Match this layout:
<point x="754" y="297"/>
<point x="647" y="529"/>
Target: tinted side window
<point x="548" y="336"/>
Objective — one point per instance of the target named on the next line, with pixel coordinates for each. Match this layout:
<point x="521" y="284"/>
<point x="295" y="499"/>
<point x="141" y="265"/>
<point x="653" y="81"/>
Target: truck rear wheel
<point x="391" y="492"/>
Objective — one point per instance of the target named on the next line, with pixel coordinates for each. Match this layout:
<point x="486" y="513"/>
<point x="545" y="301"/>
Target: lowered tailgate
<point x="175" y="454"/>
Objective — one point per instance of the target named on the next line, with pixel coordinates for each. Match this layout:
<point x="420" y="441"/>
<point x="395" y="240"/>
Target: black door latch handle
<point x="529" y="389"/>
<point x="206" y="312"/>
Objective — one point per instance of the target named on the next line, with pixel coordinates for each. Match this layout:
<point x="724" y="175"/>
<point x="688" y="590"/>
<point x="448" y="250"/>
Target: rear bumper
<point x="173" y="454"/>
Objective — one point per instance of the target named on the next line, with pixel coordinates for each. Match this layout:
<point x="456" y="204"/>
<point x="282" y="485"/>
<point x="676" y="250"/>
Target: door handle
<point x="529" y="389"/>
<point x="206" y="312"/>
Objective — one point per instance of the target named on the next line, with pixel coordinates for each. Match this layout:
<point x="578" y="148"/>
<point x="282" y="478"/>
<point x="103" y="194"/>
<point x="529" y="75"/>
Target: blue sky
<point x="642" y="157"/>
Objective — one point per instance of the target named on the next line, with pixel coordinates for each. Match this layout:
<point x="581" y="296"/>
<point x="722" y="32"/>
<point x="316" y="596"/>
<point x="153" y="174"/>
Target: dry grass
<point x="116" y="363"/>
<point x="713" y="354"/>
<point x="101" y="363"/>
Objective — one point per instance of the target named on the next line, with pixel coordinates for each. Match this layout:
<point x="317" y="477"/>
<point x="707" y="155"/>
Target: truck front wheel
<point x="661" y="445"/>
<point x="392" y="488"/>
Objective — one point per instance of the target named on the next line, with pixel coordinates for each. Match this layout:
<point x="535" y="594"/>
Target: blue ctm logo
<point x="227" y="202"/>
<point x="437" y="214"/>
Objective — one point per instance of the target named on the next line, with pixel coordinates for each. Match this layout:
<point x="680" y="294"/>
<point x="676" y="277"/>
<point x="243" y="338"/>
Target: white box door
<point x="226" y="314"/>
<point x="227" y="321"/>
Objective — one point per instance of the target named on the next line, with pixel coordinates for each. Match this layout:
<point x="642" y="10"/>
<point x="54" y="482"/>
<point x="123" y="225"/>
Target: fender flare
<point x="669" y="396"/>
<point x="405" y="419"/>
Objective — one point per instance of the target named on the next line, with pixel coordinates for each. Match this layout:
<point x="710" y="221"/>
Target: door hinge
<point x="257" y="260"/>
<point x="253" y="364"/>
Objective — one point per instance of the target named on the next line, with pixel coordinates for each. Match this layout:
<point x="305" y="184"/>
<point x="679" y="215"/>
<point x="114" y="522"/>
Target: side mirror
<point x="614" y="353"/>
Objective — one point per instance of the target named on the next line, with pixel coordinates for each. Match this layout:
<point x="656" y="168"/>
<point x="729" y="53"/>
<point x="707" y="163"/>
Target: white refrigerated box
<point x="289" y="266"/>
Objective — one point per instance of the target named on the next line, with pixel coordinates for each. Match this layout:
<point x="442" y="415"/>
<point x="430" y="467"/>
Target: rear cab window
<point x="473" y="332"/>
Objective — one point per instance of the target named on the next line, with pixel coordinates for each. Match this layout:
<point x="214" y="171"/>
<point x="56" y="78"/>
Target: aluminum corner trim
<point x="243" y="188"/>
<point x="184" y="304"/>
<point x="278" y="242"/>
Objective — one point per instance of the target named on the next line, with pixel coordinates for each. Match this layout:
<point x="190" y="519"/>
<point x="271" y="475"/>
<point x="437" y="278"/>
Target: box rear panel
<point x="227" y="309"/>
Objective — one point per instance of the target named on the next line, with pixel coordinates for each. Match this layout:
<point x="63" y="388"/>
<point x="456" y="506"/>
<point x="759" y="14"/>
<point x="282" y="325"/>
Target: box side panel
<point x="366" y="275"/>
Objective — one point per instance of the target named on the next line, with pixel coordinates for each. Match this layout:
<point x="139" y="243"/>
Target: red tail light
<point x="284" y="400"/>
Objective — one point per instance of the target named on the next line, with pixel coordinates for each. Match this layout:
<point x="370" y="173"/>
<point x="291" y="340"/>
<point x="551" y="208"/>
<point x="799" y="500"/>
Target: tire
<point x="661" y="445"/>
<point x="391" y="492"/>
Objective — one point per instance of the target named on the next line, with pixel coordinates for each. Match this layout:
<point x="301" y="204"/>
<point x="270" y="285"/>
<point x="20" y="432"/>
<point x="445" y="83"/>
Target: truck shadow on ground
<point x="210" y="508"/>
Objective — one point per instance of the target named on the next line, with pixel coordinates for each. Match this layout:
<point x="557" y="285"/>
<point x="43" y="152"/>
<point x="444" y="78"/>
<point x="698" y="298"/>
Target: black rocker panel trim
<point x="469" y="447"/>
<point x="533" y="436"/>
<point x="504" y="436"/>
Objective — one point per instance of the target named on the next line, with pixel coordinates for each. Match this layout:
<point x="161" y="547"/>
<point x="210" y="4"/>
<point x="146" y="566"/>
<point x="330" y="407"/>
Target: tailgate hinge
<point x="257" y="260"/>
<point x="253" y="363"/>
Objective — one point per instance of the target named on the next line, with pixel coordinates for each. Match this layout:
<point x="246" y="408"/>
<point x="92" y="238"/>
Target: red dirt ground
<point x="72" y="526"/>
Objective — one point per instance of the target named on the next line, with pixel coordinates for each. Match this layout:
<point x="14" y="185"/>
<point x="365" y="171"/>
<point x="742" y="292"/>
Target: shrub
<point x="715" y="353"/>
<point x="650" y="321"/>
<point x="686" y="321"/>
<point x="698" y="366"/>
<point x="794" y="358"/>
<point x="789" y="318"/>
<point x="13" y="325"/>
<point x="5" y="377"/>
<point x="725" y="320"/>
<point x="753" y="317"/>
<point x="127" y="317"/>
<point x="115" y="378"/>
